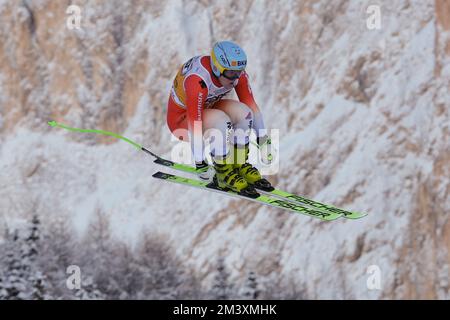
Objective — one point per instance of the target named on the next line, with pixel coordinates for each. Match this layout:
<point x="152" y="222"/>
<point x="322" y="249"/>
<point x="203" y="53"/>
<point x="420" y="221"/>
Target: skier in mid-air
<point x="196" y="105"/>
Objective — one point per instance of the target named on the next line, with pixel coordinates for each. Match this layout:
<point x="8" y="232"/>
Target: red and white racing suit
<point x="196" y="105"/>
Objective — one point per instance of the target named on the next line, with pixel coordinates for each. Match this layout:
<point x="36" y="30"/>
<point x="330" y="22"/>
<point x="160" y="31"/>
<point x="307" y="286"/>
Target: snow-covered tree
<point x="22" y="277"/>
<point x="161" y="273"/>
<point x="34" y="261"/>
<point x="221" y="289"/>
<point x="89" y="291"/>
<point x="39" y="286"/>
<point x="3" y="291"/>
<point x="58" y="251"/>
<point x="250" y="289"/>
<point x="13" y="284"/>
<point x="96" y="253"/>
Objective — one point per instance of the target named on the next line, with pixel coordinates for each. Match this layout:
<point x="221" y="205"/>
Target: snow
<point x="364" y="156"/>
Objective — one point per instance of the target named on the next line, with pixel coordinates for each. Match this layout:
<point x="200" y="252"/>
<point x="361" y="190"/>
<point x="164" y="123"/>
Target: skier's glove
<point x="204" y="171"/>
<point x="265" y="149"/>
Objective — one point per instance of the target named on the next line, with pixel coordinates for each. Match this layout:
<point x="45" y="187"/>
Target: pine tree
<point x="14" y="285"/>
<point x="158" y="268"/>
<point x="57" y="252"/>
<point x="251" y="290"/>
<point x="89" y="291"/>
<point x="36" y="280"/>
<point x="97" y="254"/>
<point x="221" y="289"/>
<point x="3" y="291"/>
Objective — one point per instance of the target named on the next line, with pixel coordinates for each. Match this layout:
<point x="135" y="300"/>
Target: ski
<point x="315" y="204"/>
<point x="283" y="195"/>
<point x="262" y="199"/>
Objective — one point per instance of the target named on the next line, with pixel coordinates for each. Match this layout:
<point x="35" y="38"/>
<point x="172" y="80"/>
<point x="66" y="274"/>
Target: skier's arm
<point x="245" y="95"/>
<point x="196" y="93"/>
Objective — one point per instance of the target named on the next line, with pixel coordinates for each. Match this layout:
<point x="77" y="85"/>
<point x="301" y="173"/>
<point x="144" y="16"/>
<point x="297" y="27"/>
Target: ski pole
<point x="107" y="133"/>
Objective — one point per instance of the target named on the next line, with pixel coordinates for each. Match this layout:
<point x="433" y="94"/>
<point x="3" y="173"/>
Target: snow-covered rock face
<point x="363" y="117"/>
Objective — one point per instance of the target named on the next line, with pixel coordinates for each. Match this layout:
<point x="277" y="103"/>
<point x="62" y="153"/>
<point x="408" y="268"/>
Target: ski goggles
<point x="232" y="74"/>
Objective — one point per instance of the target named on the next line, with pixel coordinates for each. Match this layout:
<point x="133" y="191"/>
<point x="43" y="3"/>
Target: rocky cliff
<point x="363" y="116"/>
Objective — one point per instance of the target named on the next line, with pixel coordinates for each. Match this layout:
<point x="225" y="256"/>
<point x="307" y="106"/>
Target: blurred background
<point x="358" y="89"/>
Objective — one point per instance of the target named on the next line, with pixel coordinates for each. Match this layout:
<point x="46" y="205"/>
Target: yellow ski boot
<point x="227" y="177"/>
<point x="247" y="171"/>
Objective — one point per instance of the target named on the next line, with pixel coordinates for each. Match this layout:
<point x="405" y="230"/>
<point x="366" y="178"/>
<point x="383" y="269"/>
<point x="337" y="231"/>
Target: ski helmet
<point x="227" y="55"/>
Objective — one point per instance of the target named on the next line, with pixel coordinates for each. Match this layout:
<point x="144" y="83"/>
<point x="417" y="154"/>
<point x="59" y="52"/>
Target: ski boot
<point x="247" y="171"/>
<point x="228" y="178"/>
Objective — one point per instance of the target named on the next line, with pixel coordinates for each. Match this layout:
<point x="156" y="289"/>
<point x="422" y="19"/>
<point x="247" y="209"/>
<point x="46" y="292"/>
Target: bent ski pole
<point x="107" y="133"/>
